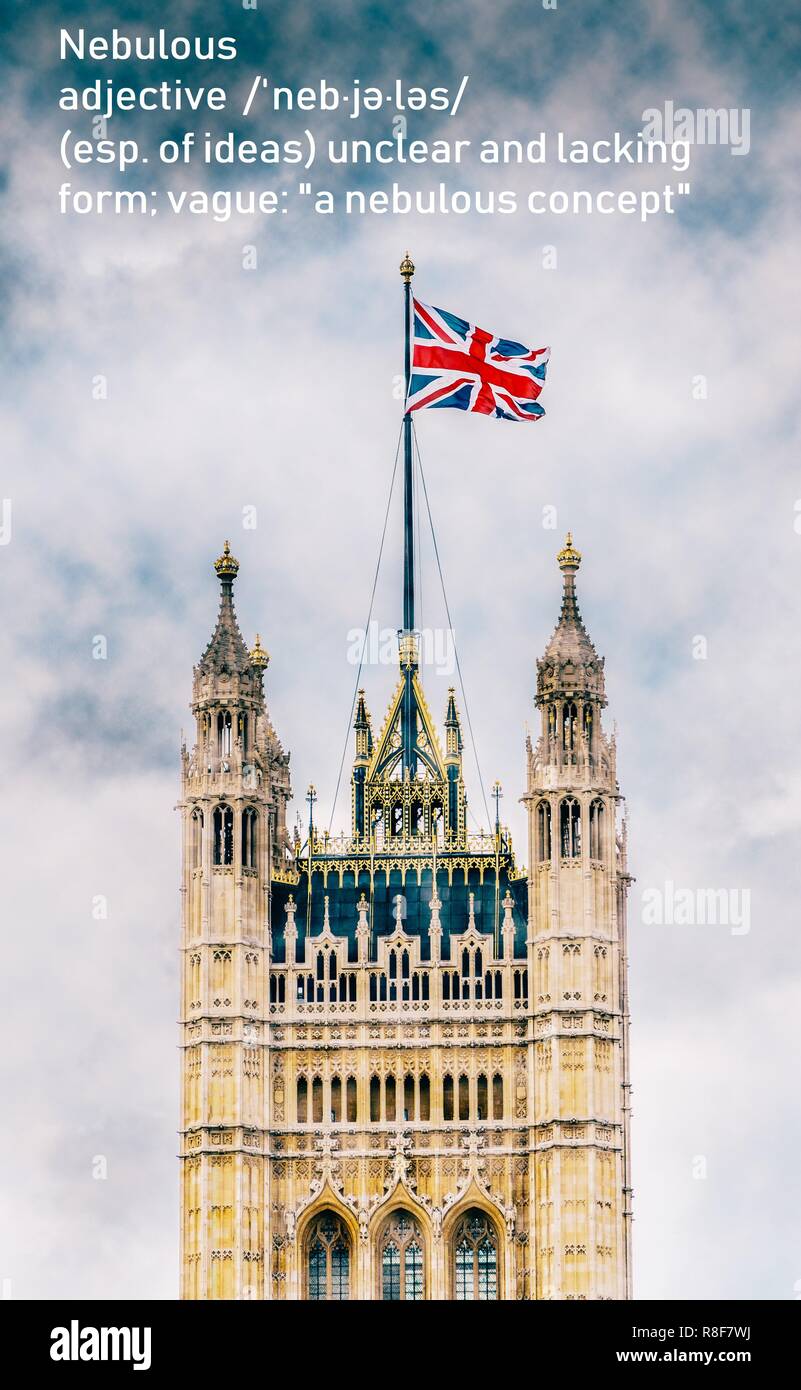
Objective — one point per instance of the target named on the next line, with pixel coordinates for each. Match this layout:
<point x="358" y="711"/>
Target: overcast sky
<point x="273" y="388"/>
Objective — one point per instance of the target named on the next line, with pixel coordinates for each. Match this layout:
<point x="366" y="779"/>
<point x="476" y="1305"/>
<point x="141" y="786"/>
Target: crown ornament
<point x="407" y="268"/>
<point x="227" y="566"/>
<point x="258" y="656"/>
<point x="569" y="557"/>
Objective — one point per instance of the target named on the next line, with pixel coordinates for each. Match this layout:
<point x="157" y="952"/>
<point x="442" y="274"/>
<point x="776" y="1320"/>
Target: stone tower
<point x="578" y="885"/>
<point x="234" y="790"/>
<point x="404" y="1070"/>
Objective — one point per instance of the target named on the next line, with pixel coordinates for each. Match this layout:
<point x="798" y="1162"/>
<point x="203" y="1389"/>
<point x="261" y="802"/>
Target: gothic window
<point x="544" y="832"/>
<point x="464" y="1098"/>
<point x="482" y="1099"/>
<point x="418" y="818"/>
<point x="223" y="835"/>
<point x="521" y="985"/>
<point x="401" y="1250"/>
<point x="375" y="1098"/>
<point x="328" y="1267"/>
<point x="243" y="731"/>
<point x="196" y="839"/>
<point x="569" y="721"/>
<point x="317" y="1100"/>
<point x="303" y="1099"/>
<point x="378" y="827"/>
<point x="447" y="1097"/>
<point x="250" y="822"/>
<point x="437" y="823"/>
<point x="570" y="828"/>
<point x="497" y="1096"/>
<point x="477" y="964"/>
<point x="475" y="1259"/>
<point x="597" y="830"/>
<point x="425" y="1098"/>
<point x="389" y="1098"/>
<point x="397" y="819"/>
<point x="408" y="1098"/>
<point x="350" y="1100"/>
<point x="336" y="1100"/>
<point x="587" y="721"/>
<point x="224" y="735"/>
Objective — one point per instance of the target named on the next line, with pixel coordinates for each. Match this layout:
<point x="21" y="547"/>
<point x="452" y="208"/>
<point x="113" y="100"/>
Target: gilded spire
<point x="226" y="653"/>
<point x="570" y="645"/>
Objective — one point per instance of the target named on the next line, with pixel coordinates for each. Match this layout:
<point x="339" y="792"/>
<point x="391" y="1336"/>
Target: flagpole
<point x="408" y="651"/>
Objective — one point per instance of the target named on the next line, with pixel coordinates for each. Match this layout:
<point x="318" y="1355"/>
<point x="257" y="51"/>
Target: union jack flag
<point x="455" y="364"/>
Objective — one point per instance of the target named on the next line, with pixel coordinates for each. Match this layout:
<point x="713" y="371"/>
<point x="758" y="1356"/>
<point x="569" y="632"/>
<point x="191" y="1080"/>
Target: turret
<point x="453" y="761"/>
<point x="364" y="749"/>
<point x="570" y="681"/>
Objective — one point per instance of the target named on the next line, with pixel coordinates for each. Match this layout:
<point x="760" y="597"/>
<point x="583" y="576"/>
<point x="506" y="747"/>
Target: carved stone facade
<point x="404" y="1062"/>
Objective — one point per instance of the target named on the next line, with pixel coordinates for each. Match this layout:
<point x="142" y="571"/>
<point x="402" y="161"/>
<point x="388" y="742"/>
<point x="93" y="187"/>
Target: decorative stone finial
<point x="407" y="269"/>
<point x="569" y="558"/>
<point x="258" y="656"/>
<point x="227" y="566"/>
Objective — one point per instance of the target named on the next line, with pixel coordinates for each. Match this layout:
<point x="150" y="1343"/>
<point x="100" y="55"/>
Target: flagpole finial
<point x="407" y="269"/>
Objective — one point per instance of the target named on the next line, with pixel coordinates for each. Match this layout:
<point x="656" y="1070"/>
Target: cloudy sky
<point x="272" y="388"/>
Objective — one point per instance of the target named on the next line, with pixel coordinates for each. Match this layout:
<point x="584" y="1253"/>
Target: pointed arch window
<point x="389" y="1098"/>
<point x="196" y="839"/>
<point x="570" y="828"/>
<point x="597" y="830"/>
<point x="303" y="1099"/>
<point x="223" y="835"/>
<point x="250" y="824"/>
<point x="475" y="1259"/>
<point x="401" y="1249"/>
<point x="587" y="724"/>
<point x="497" y="1096"/>
<point x="447" y="1097"/>
<point x="317" y="1100"/>
<point x="425" y="1097"/>
<point x="543" y="832"/>
<point x="224" y="734"/>
<point x="569" y="726"/>
<point x="482" y="1098"/>
<point x="464" y="1098"/>
<point x="408" y="1098"/>
<point x="328" y="1260"/>
<point x="350" y="1101"/>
